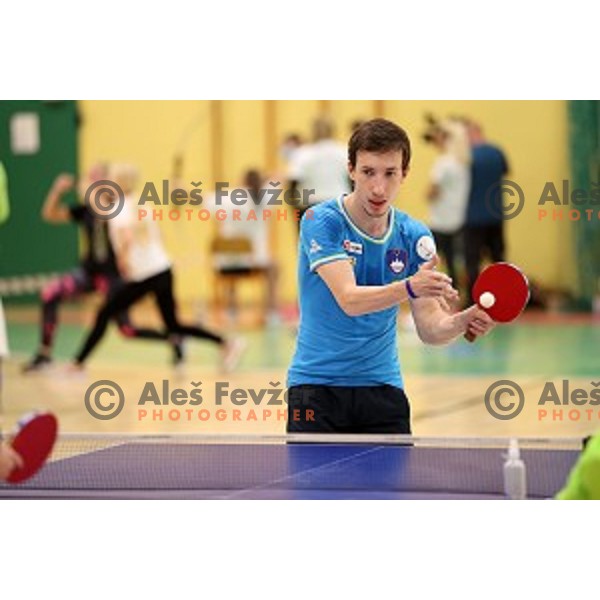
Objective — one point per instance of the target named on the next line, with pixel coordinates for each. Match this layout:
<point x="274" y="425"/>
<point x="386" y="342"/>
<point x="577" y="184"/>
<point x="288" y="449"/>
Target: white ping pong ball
<point x="487" y="299"/>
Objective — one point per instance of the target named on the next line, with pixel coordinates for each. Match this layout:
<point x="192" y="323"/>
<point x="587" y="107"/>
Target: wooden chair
<point x="232" y="264"/>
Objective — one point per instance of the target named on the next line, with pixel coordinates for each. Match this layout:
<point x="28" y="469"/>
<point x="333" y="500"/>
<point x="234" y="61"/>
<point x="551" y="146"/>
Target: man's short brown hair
<point x="380" y="136"/>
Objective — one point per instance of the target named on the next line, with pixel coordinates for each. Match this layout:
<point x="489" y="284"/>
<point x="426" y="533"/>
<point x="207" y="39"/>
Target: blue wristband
<point x="410" y="291"/>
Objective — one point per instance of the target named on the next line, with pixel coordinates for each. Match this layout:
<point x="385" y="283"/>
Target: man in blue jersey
<point x="360" y="258"/>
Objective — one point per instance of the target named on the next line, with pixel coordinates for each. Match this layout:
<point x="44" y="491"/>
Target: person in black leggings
<point x="161" y="287"/>
<point x="97" y="271"/>
<point x="146" y="269"/>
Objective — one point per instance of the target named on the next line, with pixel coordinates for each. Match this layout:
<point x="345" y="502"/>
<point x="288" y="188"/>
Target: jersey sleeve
<point x="421" y="246"/>
<point x="583" y="482"/>
<point x="321" y="238"/>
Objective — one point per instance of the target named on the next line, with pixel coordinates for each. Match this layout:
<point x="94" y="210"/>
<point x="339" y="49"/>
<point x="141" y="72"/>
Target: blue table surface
<point x="292" y="471"/>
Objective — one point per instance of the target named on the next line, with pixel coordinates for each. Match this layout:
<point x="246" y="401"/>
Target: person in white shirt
<point x="449" y="187"/>
<point x="290" y="145"/>
<point x="145" y="269"/>
<point x="319" y="168"/>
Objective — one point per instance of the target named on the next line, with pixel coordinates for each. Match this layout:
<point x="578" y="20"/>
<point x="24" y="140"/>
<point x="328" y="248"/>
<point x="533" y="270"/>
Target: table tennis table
<point x="292" y="467"/>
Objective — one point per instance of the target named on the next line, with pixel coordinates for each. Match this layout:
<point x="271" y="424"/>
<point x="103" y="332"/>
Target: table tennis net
<point x="228" y="464"/>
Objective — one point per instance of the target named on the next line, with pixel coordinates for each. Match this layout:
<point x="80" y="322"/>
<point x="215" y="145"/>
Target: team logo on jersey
<point x="353" y="247"/>
<point x="396" y="259"/>
<point x="314" y="247"/>
<point x="426" y="247"/>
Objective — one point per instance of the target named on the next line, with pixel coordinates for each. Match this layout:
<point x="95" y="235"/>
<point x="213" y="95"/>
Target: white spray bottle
<point x="515" y="476"/>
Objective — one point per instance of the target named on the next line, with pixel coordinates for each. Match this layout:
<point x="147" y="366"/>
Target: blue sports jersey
<point x="488" y="168"/>
<point x="333" y="348"/>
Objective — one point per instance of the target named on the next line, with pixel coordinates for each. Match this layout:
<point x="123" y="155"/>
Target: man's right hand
<point x="429" y="283"/>
<point x="9" y="460"/>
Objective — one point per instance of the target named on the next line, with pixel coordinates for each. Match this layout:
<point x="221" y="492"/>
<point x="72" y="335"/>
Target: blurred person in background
<point x="145" y="269"/>
<point x="320" y="166"/>
<point x="292" y="143"/>
<point x="449" y="187"/>
<point x="96" y="272"/>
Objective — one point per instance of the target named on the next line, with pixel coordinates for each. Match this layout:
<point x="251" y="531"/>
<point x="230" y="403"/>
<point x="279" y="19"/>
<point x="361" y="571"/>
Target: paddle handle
<point x="470" y="337"/>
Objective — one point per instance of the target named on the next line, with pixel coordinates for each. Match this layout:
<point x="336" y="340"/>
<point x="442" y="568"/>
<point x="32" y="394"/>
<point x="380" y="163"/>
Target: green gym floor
<point x="446" y="384"/>
<point x="540" y="345"/>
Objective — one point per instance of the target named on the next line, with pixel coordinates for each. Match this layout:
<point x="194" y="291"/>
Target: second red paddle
<point x="34" y="442"/>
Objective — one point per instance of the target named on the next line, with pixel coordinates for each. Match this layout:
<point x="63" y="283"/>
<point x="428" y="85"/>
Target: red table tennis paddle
<point x="502" y="291"/>
<point x="33" y="442"/>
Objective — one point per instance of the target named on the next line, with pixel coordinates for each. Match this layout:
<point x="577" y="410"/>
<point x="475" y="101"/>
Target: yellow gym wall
<point x="221" y="139"/>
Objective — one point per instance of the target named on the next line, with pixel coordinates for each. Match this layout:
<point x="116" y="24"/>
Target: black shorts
<point x="329" y="409"/>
